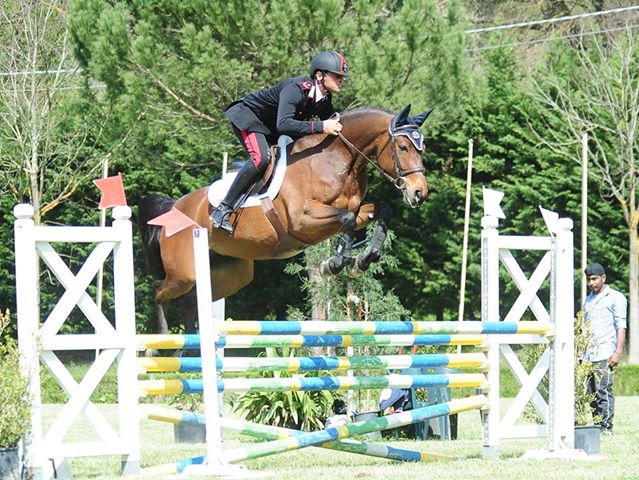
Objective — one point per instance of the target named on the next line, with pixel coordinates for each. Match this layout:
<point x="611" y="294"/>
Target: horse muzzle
<point x="414" y="193"/>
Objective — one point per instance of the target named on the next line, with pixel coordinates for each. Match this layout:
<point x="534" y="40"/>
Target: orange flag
<point x="173" y="221"/>
<point x="112" y="191"/>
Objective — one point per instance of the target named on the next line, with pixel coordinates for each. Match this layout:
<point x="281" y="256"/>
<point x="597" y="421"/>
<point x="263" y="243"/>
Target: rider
<point x="284" y="109"/>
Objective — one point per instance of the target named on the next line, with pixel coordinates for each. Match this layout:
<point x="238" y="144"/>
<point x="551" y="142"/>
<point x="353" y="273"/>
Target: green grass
<point x="619" y="459"/>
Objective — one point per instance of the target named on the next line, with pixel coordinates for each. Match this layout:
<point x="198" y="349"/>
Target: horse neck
<point x="364" y="131"/>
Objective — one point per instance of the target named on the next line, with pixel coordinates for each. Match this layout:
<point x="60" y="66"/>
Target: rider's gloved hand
<point x="332" y="127"/>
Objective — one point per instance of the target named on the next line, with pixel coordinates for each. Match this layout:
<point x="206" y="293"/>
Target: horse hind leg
<point x="160" y="318"/>
<point x="165" y="291"/>
<point x="229" y="275"/>
<point x="162" y="323"/>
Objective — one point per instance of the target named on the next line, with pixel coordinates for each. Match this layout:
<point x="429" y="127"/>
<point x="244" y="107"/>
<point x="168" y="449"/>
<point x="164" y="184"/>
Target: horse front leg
<point x="373" y="251"/>
<point x="318" y="217"/>
<point x="343" y="256"/>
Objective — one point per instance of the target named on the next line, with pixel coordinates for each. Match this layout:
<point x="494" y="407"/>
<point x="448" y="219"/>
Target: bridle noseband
<point x="398" y="181"/>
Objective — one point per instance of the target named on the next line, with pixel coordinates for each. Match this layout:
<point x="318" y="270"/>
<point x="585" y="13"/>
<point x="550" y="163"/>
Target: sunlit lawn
<point x="619" y="459"/>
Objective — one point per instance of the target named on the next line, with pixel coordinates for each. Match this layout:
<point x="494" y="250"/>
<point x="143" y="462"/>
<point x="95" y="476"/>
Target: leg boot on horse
<point x="342" y="258"/>
<point x="343" y="253"/>
<point x="373" y="252"/>
<point x="245" y="179"/>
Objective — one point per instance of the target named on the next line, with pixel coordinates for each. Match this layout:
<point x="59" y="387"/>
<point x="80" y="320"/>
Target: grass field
<point x="619" y="457"/>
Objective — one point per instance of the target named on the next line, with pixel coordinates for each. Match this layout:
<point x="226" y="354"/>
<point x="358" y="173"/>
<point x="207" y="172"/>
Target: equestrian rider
<point x="288" y="108"/>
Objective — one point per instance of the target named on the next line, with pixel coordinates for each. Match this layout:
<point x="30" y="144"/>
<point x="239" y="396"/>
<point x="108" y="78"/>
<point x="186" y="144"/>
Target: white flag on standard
<point x="492" y="199"/>
<point x="551" y="218"/>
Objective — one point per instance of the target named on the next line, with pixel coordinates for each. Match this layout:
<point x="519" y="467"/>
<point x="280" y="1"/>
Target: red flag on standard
<point x="173" y="221"/>
<point x="112" y="191"/>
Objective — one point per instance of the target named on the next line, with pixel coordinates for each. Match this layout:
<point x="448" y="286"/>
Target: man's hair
<point x="594" y="269"/>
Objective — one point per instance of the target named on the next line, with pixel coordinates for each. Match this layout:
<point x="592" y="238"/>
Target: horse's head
<point x="401" y="156"/>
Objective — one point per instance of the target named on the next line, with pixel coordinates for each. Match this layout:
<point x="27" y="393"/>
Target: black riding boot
<point x="245" y="178"/>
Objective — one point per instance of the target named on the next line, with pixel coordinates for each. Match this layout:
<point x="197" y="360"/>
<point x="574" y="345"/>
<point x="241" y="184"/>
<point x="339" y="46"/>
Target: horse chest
<point x="352" y="194"/>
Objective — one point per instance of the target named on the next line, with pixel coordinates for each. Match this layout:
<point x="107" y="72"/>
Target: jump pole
<point x="268" y="432"/>
<point x="192" y="342"/>
<point x="308" y="364"/>
<point x="336" y="433"/>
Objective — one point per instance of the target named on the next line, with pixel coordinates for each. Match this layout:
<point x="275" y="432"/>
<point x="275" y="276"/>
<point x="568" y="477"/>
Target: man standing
<point x="605" y="310"/>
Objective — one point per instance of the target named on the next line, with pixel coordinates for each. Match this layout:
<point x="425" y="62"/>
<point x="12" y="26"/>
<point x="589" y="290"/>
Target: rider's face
<point x="333" y="82"/>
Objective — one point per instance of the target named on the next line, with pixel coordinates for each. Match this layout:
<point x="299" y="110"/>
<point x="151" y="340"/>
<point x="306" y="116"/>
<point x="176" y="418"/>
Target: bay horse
<point x="321" y="195"/>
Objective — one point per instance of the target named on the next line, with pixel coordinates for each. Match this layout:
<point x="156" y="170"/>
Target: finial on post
<point x="23" y="211"/>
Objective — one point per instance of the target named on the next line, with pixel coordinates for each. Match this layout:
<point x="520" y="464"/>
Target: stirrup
<point x="220" y="218"/>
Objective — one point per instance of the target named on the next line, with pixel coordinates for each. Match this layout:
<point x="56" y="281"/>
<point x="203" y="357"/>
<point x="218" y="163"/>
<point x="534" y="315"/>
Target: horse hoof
<point x="334" y="265"/>
<point x="326" y="268"/>
<point x="362" y="264"/>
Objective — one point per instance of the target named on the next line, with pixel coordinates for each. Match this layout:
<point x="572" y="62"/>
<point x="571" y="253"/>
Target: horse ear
<point x="402" y="117"/>
<point x="421" y="118"/>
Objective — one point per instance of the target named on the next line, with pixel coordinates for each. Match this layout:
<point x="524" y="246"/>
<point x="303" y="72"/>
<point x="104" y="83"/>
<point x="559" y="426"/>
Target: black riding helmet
<point x="330" y="61"/>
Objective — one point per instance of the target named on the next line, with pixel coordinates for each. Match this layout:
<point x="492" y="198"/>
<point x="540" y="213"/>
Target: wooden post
<point x="584" y="215"/>
<point x="462" y="281"/>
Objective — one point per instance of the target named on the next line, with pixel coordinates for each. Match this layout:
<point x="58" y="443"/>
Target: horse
<point x="321" y="195"/>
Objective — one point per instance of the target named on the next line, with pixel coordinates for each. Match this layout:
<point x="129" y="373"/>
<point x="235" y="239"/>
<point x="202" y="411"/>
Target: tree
<point x="599" y="95"/>
<point x="47" y="134"/>
<point x="176" y="65"/>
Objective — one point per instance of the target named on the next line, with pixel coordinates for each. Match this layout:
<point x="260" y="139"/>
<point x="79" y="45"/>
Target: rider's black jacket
<point x="284" y="109"/>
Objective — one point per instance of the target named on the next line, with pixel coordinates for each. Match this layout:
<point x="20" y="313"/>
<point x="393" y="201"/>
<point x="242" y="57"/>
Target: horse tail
<point x="150" y="207"/>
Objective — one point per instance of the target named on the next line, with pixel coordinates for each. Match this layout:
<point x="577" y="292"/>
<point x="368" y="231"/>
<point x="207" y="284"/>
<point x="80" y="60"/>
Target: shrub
<point x="300" y="410"/>
<point x="15" y="410"/>
<point x="583" y="370"/>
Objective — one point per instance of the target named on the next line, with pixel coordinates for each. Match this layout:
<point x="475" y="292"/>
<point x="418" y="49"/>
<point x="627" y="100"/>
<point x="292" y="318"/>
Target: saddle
<point x="262" y="184"/>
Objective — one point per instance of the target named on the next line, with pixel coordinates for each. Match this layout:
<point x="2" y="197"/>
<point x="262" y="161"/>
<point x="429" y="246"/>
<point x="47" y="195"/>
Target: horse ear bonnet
<point x="408" y="127"/>
<point x="402" y="118"/>
<point x="421" y="118"/>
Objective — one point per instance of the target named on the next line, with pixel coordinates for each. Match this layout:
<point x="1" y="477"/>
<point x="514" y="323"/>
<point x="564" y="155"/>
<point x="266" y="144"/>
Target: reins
<point x="374" y="164"/>
<point x="398" y="181"/>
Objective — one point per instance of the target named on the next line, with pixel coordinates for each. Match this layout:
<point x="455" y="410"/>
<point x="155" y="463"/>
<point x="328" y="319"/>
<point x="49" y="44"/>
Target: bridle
<point x="398" y="181"/>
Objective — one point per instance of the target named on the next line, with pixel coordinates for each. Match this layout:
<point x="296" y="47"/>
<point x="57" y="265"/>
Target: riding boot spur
<point x="244" y="180"/>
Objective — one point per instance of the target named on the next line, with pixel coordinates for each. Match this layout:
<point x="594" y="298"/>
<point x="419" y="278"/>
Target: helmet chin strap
<point x="321" y="83"/>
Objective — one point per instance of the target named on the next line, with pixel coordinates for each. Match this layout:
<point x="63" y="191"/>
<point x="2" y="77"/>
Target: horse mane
<point x="357" y="113"/>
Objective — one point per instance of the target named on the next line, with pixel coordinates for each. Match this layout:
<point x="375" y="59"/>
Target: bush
<point x="583" y="370"/>
<point x="300" y="410"/>
<point x="15" y="408"/>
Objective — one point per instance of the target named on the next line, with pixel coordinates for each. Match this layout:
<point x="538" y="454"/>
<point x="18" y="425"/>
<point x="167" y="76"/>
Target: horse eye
<point x="403" y="148"/>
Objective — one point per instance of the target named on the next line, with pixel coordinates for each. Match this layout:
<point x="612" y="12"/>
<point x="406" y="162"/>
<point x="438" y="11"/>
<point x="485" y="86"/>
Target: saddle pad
<point x="217" y="191"/>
